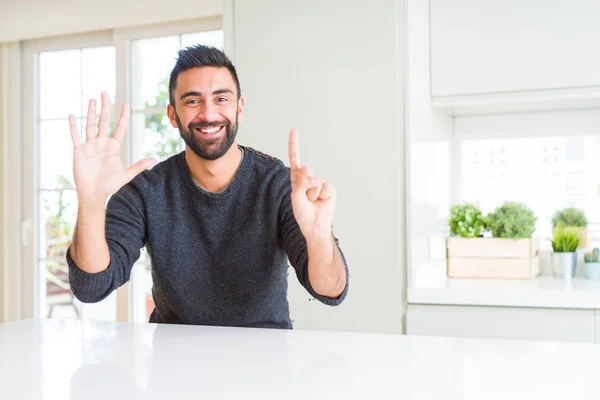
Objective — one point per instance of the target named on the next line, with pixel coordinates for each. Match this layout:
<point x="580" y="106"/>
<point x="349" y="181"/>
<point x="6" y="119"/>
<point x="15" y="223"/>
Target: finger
<point x="294" y="150"/>
<point x="327" y="192"/>
<point x="104" y="122"/>
<point x="121" y="127"/>
<point x="301" y="177"/>
<point x="315" y="192"/>
<point x="309" y="183"/>
<point x="140" y="166"/>
<point x="90" y="125"/>
<point x="74" y="132"/>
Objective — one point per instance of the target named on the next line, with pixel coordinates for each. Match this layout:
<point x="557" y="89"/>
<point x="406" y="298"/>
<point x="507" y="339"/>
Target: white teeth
<point x="210" y="130"/>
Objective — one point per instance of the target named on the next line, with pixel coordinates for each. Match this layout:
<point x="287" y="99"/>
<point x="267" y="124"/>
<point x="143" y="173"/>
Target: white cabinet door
<point x="502" y="323"/>
<point x="490" y="46"/>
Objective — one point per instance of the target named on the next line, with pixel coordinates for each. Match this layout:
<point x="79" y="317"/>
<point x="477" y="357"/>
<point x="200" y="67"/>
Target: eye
<point x="222" y="99"/>
<point x="192" y="101"/>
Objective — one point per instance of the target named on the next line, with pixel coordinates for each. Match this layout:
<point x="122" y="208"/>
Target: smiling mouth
<point x="210" y="130"/>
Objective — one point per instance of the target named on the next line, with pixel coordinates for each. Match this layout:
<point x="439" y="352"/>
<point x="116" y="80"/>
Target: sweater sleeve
<point x="125" y="235"/>
<point x="295" y="247"/>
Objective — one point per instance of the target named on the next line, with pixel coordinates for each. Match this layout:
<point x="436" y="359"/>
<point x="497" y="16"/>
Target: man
<point x="220" y="221"/>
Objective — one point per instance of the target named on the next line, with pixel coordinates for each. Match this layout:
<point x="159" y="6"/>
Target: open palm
<point x="97" y="166"/>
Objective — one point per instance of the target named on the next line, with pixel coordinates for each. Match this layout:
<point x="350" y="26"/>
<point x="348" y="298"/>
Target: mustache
<point x="208" y="124"/>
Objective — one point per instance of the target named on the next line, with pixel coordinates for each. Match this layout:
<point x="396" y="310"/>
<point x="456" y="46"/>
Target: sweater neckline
<point x="234" y="186"/>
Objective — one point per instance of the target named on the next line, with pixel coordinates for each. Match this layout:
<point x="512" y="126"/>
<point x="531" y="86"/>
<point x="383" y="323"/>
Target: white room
<point x="456" y="146"/>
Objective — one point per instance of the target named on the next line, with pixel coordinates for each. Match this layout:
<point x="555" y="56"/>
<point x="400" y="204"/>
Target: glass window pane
<point x="152" y="61"/>
<point x="55" y="153"/>
<point x="155" y="137"/>
<point x="98" y="75"/>
<point x="57" y="211"/>
<point x="58" y="214"/>
<point x="546" y="173"/>
<point x="67" y="79"/>
<point x="60" y="84"/>
<point x="59" y="300"/>
<point x="211" y="38"/>
<point x="141" y="298"/>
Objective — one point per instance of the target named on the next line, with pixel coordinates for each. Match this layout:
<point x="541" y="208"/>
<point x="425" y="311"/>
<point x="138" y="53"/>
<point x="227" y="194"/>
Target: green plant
<point x="594" y="256"/>
<point x="57" y="224"/>
<point x="165" y="141"/>
<point x="569" y="217"/>
<point x="512" y="220"/>
<point x="466" y="220"/>
<point x="565" y="240"/>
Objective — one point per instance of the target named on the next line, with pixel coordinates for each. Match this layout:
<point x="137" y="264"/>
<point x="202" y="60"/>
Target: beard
<point x="208" y="148"/>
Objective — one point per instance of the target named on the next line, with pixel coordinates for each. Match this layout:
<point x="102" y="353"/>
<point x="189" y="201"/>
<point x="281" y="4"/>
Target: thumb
<point x="137" y="168"/>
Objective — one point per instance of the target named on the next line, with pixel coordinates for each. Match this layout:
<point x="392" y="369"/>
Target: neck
<point x="214" y="175"/>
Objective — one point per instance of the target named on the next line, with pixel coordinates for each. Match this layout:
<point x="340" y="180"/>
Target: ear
<point x="240" y="109"/>
<point x="171" y="114"/>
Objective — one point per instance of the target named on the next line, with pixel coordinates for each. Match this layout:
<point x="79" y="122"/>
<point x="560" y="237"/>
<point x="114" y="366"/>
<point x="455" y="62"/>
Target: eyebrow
<point x="199" y="94"/>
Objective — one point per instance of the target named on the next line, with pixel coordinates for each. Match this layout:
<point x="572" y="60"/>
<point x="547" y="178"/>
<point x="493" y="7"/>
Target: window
<point x="547" y="169"/>
<point x="60" y="76"/>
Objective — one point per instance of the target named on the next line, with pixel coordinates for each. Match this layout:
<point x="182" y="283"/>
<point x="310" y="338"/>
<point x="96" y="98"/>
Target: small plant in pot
<point x="573" y="218"/>
<point x="591" y="264"/>
<point x="564" y="257"/>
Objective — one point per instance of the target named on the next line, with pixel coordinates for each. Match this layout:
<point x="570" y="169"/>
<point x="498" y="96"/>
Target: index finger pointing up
<point x="294" y="150"/>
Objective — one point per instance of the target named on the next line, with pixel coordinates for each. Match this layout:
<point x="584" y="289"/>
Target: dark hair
<point x="200" y="56"/>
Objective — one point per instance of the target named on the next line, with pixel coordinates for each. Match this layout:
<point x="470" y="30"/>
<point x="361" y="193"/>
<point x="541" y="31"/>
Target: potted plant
<point x="591" y="264"/>
<point x="564" y="257"/>
<point x="499" y="245"/>
<point x="574" y="218"/>
<point x="467" y="221"/>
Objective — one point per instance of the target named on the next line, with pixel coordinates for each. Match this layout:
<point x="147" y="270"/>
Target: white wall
<point x="3" y="210"/>
<point x="491" y="46"/>
<point x="334" y="70"/>
<point x="28" y="19"/>
<point x="429" y="152"/>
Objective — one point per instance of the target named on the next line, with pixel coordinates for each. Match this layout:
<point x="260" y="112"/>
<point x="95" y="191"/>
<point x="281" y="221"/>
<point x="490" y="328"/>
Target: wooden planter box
<point x="493" y="258"/>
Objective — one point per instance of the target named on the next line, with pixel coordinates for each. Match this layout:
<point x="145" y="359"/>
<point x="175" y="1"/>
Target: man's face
<point x="206" y="111"/>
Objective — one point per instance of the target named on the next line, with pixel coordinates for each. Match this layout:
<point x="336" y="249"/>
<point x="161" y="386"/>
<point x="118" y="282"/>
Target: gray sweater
<point x="217" y="259"/>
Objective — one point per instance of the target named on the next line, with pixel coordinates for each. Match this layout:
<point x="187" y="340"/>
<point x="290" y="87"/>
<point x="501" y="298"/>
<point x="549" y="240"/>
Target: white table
<point x="53" y="359"/>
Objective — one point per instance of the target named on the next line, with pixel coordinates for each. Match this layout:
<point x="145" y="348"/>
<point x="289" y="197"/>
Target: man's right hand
<point x="97" y="166"/>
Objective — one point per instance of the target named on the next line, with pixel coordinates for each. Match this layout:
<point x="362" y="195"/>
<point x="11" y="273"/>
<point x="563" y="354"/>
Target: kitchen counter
<point x="54" y="359"/>
<point x="543" y="292"/>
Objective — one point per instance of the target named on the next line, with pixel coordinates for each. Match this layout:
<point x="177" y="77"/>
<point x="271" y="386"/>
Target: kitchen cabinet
<point x="494" y="49"/>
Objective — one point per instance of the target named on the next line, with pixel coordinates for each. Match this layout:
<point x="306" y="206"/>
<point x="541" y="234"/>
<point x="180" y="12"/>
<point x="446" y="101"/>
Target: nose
<point x="208" y="111"/>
